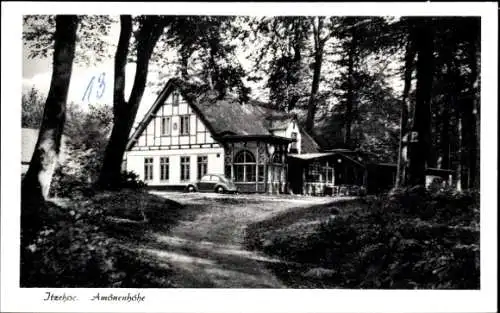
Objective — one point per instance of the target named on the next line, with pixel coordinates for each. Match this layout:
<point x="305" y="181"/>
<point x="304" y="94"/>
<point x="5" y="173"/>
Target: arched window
<point x="244" y="167"/>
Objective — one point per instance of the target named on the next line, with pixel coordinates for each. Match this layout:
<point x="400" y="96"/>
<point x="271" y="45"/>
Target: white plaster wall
<point x="153" y="130"/>
<point x="135" y="163"/>
<point x="292" y="127"/>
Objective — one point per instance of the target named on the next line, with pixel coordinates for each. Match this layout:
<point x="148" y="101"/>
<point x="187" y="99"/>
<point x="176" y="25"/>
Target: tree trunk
<point x="350" y="90"/>
<point x="405" y="108"/>
<point x="311" y="106"/>
<point x="185" y="54"/>
<point x="474" y="118"/>
<point x="110" y="172"/>
<point x="451" y="97"/>
<point x="466" y="142"/>
<point x="37" y="181"/>
<point x="420" y="143"/>
<point x="445" y="131"/>
<point x="318" y="60"/>
<point x="459" y="152"/>
<point x="125" y="112"/>
<point x="36" y="184"/>
<point x="297" y="61"/>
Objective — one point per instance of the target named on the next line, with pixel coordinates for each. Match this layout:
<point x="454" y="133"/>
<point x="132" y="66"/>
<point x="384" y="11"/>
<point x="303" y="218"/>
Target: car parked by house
<point x="213" y="183"/>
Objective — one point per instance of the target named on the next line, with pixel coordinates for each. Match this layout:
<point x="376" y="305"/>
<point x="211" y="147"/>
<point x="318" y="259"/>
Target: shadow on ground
<point x="203" y="244"/>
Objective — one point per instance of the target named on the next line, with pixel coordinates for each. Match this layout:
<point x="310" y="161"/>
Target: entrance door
<point x="330" y="176"/>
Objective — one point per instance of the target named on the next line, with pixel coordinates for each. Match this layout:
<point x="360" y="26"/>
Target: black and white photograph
<point x="249" y="150"/>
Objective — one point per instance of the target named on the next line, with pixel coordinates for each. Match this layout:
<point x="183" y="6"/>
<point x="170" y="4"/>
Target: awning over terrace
<point x="311" y="156"/>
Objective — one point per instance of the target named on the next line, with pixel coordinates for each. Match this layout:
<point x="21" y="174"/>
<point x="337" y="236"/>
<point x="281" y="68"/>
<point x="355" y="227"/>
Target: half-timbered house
<point x="186" y="135"/>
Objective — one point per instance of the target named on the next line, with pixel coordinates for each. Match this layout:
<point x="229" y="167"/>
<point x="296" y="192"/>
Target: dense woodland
<point x="339" y="73"/>
<point x="406" y="89"/>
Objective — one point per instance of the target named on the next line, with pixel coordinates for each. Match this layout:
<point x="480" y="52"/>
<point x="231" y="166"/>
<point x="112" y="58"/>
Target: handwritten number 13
<point x="101" y="86"/>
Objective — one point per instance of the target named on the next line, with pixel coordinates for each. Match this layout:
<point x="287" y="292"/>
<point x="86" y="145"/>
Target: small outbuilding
<point x="348" y="172"/>
<point x="339" y="171"/>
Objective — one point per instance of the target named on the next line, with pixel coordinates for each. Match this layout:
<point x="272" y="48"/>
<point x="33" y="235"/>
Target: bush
<point x="130" y="180"/>
<point x="69" y="251"/>
<point x="84" y="142"/>
<point x="77" y="171"/>
<point x="408" y="239"/>
<point x="81" y="246"/>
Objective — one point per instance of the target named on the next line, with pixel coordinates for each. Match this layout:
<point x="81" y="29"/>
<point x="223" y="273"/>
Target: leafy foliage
<point x="130" y="180"/>
<point x="86" y="134"/>
<point x="281" y="58"/>
<point x="38" y="37"/>
<point x="80" y="244"/>
<point x="205" y="53"/>
<point x="32" y="108"/>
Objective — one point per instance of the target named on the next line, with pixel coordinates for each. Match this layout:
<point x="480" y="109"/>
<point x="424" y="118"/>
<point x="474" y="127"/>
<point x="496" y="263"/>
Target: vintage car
<point x="213" y="183"/>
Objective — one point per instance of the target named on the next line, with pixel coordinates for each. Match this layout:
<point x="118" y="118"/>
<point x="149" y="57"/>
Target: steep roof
<point x="308" y="144"/>
<point x="228" y="116"/>
<point x="225" y="118"/>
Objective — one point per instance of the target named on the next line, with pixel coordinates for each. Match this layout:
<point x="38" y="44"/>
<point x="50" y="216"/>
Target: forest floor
<point x="206" y="248"/>
<point x="138" y="239"/>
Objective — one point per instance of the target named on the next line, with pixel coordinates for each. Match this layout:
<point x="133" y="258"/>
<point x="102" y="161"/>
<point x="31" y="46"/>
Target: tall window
<point x="202" y="166"/>
<point x="185" y="125"/>
<point x="185" y="168"/>
<point x="165" y="126"/>
<point x="262" y="174"/>
<point x="164" y="168"/>
<point x="175" y="98"/>
<point x="244" y="167"/>
<point x="293" y="145"/>
<point x="148" y="169"/>
<point x="277" y="167"/>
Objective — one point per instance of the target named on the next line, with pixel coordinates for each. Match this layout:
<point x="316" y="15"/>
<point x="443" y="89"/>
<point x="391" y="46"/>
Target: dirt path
<point x="205" y="249"/>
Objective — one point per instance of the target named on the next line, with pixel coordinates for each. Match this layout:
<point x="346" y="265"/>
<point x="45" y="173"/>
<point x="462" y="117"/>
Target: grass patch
<point x="406" y="240"/>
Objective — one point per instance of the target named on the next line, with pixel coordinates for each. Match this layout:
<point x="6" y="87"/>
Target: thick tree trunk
<point x="36" y="184"/>
<point x="213" y="78"/>
<point x="311" y="105"/>
<point x="348" y="118"/>
<point x="110" y="172"/>
<point x="184" y="64"/>
<point x="450" y="102"/>
<point x="466" y="142"/>
<point x="405" y="108"/>
<point x="474" y="118"/>
<point x="420" y="141"/>
<point x="445" y="131"/>
<point x="297" y="61"/>
<point x="37" y="181"/>
<point x="318" y="60"/>
<point x="459" y="152"/>
<point x="125" y="112"/>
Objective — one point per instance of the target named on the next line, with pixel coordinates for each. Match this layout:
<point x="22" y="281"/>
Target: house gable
<point x="172" y="123"/>
<point x="288" y="127"/>
<point x="212" y="121"/>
